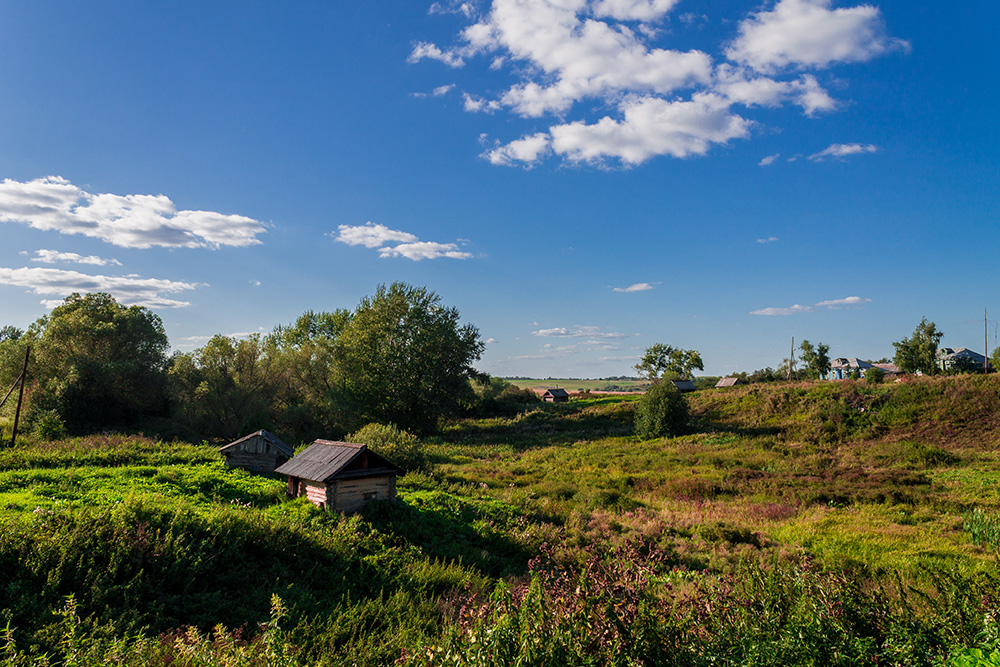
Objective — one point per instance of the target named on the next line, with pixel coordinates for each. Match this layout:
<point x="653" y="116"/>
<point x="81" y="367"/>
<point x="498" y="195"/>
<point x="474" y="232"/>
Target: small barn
<point x="684" y="386"/>
<point x="555" y="396"/>
<point x="262" y="451"/>
<point x="340" y="476"/>
<point x="728" y="382"/>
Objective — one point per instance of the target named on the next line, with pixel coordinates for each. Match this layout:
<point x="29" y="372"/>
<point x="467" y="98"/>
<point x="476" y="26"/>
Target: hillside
<point x="803" y="523"/>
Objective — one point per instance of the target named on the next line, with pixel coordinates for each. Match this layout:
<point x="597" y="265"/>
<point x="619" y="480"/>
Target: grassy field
<point x="572" y="385"/>
<point x="795" y="523"/>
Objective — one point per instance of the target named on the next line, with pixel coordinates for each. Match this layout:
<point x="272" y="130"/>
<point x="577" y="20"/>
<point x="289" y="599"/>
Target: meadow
<point x="794" y="523"/>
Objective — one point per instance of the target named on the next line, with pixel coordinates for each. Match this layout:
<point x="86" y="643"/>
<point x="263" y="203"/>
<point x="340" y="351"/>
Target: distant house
<point x="892" y="371"/>
<point x="728" y="382"/>
<point x="684" y="386"/>
<point x="555" y="396"/>
<point x="842" y="369"/>
<point x="262" y="451"/>
<point x="340" y="476"/>
<point x="959" y="359"/>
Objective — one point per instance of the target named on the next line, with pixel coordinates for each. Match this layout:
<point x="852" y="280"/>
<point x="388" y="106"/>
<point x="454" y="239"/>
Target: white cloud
<point x="132" y="221"/>
<point x="371" y="235"/>
<point x="423" y="50"/>
<point x="831" y="303"/>
<point x="849" y="301"/>
<point x="614" y="54"/>
<point x="769" y="239"/>
<point x="424" y="250"/>
<point x="53" y="256"/>
<point x="443" y="90"/>
<point x="490" y="341"/>
<point x="591" y="332"/>
<point x="637" y="287"/>
<point x="839" y="151"/>
<point x="129" y="290"/>
<point x="808" y="33"/>
<point x="768" y="161"/>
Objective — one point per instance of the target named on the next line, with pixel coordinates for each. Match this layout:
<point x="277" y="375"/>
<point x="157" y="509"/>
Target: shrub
<point x="875" y="376"/>
<point x="49" y="425"/>
<point x="661" y="412"/>
<point x="399" y="446"/>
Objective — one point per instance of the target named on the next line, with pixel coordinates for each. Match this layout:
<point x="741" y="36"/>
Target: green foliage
<point x="495" y="397"/>
<point x="91" y="351"/>
<point x="664" y="362"/>
<point x="918" y="352"/>
<point x="404" y="358"/>
<point x="225" y="389"/>
<point x="48" y="425"/>
<point x="400" y="447"/>
<point x="983" y="528"/>
<point x="816" y="359"/>
<point x="874" y="376"/>
<point x="661" y="412"/>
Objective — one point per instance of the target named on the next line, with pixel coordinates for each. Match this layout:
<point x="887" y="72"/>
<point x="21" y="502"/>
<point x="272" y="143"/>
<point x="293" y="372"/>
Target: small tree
<point x="816" y="359"/>
<point x="401" y="447"/>
<point x="664" y="362"/>
<point x="661" y="412"/>
<point x="918" y="352"/>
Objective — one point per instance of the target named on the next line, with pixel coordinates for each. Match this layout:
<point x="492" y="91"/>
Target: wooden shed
<point x="555" y="396"/>
<point x="340" y="476"/>
<point x="728" y="382"/>
<point x="262" y="451"/>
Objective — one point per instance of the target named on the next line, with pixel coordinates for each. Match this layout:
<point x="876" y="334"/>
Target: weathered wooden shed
<point x="555" y="396"/>
<point x="262" y="451"/>
<point x="340" y="476"/>
<point x="684" y="386"/>
<point x="728" y="382"/>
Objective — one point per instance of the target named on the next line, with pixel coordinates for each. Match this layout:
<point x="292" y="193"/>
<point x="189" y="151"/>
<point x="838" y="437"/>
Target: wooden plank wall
<point x="350" y="495"/>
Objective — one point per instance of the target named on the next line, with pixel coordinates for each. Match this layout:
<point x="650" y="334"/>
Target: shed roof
<point x="269" y="437"/>
<point x="556" y="392"/>
<point x="728" y="382"/>
<point x="326" y="460"/>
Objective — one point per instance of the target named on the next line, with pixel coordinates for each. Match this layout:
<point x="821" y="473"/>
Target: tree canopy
<point x="664" y="362"/>
<point x="918" y="352"/>
<point x="816" y="359"/>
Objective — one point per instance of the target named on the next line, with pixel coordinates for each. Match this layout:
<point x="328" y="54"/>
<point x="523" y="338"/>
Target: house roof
<point x="727" y="382"/>
<point x="890" y="368"/>
<point x="684" y="385"/>
<point x="958" y="353"/>
<point x="852" y="363"/>
<point x="268" y="437"/>
<point x="326" y="460"/>
<point x="556" y="392"/>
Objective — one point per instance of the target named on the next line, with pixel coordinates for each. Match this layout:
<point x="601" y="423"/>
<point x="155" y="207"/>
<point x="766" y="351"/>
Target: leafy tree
<point x="664" y="362"/>
<point x="98" y="363"/>
<point x="816" y="359"/>
<point x="401" y="447"/>
<point x="225" y="389"/>
<point x="661" y="412"/>
<point x="9" y="332"/>
<point x="404" y="359"/>
<point x="918" y="352"/>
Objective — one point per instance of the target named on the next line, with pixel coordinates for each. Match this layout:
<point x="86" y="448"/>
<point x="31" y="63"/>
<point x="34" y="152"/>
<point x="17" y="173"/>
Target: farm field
<point x="795" y="523"/>
<point x="572" y="385"/>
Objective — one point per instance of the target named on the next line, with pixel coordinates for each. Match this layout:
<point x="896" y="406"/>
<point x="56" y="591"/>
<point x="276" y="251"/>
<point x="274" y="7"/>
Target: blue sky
<point x="580" y="178"/>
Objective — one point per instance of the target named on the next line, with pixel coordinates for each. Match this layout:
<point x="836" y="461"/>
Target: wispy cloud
<point x="371" y="235"/>
<point x="840" y="151"/>
<point x="131" y="221"/>
<point x="54" y="256"/>
<point x="129" y="290"/>
<point x="591" y="332"/>
<point x="829" y="304"/>
<point x="769" y="239"/>
<point x="769" y="160"/>
<point x="567" y="58"/>
<point x="637" y="287"/>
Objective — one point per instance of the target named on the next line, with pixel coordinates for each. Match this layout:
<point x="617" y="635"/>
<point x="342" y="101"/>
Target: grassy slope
<point x="853" y="477"/>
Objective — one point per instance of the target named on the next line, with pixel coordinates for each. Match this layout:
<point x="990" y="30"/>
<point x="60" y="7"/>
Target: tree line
<point x="401" y="357"/>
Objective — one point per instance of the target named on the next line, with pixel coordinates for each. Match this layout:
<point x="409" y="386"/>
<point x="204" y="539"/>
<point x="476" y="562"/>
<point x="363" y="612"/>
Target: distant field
<point x="579" y="385"/>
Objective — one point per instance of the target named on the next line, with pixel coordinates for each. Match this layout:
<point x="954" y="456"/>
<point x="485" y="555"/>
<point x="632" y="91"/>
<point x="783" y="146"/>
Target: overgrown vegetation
<point x="793" y="523"/>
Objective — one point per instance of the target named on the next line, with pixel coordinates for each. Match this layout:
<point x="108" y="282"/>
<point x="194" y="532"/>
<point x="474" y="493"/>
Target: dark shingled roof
<point x="556" y="392"/>
<point x="274" y="440"/>
<point x="326" y="460"/>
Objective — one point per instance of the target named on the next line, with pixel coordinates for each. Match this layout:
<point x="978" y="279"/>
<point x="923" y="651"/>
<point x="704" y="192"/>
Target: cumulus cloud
<point x="571" y="60"/>
<point x="371" y="235"/>
<point x="592" y="332"/>
<point x="53" y="256"/>
<point x="128" y="290"/>
<point x="443" y="90"/>
<point x="840" y="151"/>
<point x="809" y="33"/>
<point x="830" y="303"/>
<point x="637" y="287"/>
<point x="132" y="221"/>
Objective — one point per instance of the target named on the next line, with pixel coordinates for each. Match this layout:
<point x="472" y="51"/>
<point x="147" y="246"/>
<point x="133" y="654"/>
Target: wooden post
<point x="20" y="396"/>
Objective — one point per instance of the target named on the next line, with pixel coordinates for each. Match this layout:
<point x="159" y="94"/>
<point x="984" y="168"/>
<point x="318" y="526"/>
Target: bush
<point x="399" y="446"/>
<point x="661" y="412"/>
<point x="875" y="375"/>
<point x="49" y="425"/>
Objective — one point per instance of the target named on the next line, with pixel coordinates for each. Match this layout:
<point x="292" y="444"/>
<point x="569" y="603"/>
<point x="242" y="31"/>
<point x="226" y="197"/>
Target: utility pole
<point x="20" y="396"/>
<point x="791" y="359"/>
<point x="986" y="343"/>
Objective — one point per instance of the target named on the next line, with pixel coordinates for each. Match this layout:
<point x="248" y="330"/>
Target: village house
<point x="843" y="369"/>
<point x="951" y="359"/>
<point x="340" y="476"/>
<point x="555" y="396"/>
<point x="262" y="451"/>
